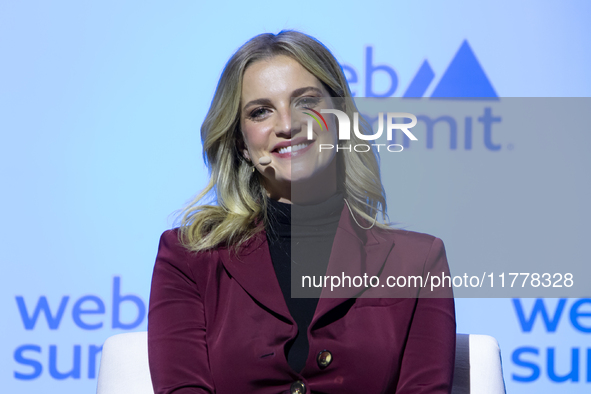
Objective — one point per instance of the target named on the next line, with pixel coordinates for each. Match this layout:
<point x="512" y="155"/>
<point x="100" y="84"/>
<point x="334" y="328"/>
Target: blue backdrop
<point x="100" y="109"/>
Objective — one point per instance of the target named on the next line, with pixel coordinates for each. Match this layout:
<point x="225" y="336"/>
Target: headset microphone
<point x="263" y="161"/>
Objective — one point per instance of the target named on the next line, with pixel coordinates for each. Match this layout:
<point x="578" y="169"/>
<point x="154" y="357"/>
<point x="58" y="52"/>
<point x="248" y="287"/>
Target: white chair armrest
<point x="124" y="365"/>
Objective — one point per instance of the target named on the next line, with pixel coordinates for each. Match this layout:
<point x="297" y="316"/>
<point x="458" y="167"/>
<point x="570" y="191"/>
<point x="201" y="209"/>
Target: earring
<point x="252" y="169"/>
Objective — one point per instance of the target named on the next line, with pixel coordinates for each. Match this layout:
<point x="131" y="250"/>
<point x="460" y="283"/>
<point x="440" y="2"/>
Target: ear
<point x="242" y="148"/>
<point x="246" y="154"/>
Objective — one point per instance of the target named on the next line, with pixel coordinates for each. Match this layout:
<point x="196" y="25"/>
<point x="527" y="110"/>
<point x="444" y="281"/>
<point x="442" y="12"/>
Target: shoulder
<point x="406" y="238"/>
<point x="170" y="242"/>
<point x="170" y="246"/>
<point x="413" y="247"/>
<point x="173" y="254"/>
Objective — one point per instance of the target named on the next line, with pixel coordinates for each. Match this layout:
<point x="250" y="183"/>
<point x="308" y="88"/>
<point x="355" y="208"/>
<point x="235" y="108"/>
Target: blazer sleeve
<point x="177" y="348"/>
<point x="429" y="356"/>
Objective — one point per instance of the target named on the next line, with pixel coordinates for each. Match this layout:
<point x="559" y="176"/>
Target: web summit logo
<point x="464" y="79"/>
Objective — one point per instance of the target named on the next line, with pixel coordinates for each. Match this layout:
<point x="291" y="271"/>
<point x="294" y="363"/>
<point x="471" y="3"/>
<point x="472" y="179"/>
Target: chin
<point x="300" y="180"/>
<point x="307" y="170"/>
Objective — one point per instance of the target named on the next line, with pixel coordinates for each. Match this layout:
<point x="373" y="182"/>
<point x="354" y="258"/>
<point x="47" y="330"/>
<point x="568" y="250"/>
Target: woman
<point x="222" y="317"/>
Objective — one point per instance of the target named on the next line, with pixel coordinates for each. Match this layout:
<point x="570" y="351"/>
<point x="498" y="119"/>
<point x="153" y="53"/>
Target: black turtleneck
<point x="300" y="239"/>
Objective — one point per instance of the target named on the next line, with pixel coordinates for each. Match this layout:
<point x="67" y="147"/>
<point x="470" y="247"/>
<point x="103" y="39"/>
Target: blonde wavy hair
<point x="238" y="201"/>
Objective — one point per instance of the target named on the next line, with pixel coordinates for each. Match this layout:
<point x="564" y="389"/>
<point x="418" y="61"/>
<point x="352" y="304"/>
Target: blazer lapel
<point x="253" y="269"/>
<point x="354" y="252"/>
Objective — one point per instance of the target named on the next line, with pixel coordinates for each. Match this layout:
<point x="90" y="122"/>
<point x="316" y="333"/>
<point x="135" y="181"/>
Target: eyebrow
<point x="295" y="93"/>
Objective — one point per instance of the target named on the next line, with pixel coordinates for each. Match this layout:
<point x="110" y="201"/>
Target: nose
<point x="283" y="127"/>
<point x="289" y="122"/>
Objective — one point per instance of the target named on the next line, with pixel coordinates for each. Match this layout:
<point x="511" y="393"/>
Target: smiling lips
<point x="293" y="150"/>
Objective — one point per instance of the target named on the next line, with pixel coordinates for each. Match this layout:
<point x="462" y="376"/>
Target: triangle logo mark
<point x="464" y="78"/>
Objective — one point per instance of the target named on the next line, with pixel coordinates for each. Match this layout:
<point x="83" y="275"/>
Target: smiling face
<point x="275" y="93"/>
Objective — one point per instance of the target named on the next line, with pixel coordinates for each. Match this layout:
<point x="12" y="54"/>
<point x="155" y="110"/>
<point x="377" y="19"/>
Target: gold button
<point x="324" y="358"/>
<point x="297" y="387"/>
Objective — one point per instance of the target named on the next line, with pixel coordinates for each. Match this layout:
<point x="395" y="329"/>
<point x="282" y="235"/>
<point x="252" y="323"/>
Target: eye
<point x="258" y="113"/>
<point x="309" y="102"/>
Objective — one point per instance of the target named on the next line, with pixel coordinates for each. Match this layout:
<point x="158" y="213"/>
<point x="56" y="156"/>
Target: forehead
<point x="277" y="76"/>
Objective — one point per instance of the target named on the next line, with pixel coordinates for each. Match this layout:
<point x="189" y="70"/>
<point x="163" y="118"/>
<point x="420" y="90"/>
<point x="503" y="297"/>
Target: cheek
<point x="334" y="130"/>
<point x="254" y="136"/>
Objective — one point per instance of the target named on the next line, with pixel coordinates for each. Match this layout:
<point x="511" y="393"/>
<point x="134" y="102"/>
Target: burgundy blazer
<point x="218" y="323"/>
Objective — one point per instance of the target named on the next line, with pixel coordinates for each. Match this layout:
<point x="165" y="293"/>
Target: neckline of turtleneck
<point x="327" y="211"/>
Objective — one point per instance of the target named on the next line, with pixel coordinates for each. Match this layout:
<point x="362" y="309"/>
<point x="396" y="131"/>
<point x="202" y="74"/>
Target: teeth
<point x="295" y="148"/>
